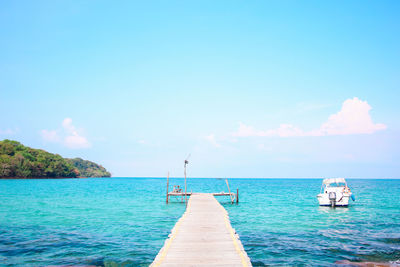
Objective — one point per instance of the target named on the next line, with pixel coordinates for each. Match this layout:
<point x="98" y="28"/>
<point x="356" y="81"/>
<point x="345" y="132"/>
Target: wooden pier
<point x="203" y="236"/>
<point x="178" y="192"/>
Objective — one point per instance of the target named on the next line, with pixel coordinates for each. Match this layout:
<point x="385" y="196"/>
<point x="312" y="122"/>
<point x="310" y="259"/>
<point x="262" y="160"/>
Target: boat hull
<point x="342" y="200"/>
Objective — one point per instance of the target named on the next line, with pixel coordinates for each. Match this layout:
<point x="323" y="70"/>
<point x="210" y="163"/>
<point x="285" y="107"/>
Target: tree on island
<point x="19" y="161"/>
<point x="88" y="168"/>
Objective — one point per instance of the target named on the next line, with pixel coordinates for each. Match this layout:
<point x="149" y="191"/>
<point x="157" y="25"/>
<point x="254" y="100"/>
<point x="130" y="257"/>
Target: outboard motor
<point x="332" y="199"/>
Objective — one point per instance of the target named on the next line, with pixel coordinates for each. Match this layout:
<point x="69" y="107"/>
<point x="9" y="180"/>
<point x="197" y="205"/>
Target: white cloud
<point x="69" y="136"/>
<point x="211" y="138"/>
<point x="142" y="142"/>
<point x="353" y="118"/>
<point x="67" y="125"/>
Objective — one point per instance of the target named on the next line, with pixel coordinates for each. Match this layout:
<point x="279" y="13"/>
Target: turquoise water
<point x="124" y="221"/>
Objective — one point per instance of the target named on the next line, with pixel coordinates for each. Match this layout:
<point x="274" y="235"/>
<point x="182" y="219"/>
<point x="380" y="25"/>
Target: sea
<point x="125" y="221"/>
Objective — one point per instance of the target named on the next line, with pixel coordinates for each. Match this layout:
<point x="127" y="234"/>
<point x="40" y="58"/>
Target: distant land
<point x="19" y="161"/>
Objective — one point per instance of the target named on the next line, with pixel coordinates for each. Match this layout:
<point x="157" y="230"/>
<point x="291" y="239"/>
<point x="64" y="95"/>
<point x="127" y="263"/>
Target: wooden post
<point x="237" y="196"/>
<point x="186" y="163"/>
<point x="185" y="186"/>
<point x="167" y="186"/>
<point x="226" y="180"/>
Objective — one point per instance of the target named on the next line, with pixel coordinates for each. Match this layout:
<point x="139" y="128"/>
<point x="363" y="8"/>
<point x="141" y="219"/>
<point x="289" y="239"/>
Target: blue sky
<point x="250" y="89"/>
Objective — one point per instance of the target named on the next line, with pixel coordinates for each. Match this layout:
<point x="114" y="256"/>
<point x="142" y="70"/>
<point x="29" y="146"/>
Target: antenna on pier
<point x="186" y="163"/>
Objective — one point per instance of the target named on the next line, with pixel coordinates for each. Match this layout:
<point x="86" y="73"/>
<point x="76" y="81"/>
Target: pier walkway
<point x="203" y="236"/>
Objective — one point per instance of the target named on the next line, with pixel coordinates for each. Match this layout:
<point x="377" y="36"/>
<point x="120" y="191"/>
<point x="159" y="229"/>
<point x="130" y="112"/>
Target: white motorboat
<point x="335" y="193"/>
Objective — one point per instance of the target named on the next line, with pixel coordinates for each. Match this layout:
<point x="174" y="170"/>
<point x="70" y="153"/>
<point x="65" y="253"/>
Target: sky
<point x="280" y="89"/>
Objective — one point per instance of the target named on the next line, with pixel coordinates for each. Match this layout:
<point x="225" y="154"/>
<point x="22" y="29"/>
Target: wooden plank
<point x="203" y="236"/>
<point x="223" y="194"/>
<point x="178" y="194"/>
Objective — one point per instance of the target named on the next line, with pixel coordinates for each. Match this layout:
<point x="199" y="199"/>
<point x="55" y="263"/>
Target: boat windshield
<point x="337" y="181"/>
<point x="336" y="185"/>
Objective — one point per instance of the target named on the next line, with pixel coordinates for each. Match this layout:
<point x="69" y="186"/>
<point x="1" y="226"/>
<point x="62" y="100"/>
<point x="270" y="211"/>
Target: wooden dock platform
<point x="203" y="236"/>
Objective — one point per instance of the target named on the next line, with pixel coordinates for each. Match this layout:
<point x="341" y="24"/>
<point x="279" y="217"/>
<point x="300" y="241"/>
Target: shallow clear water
<point x="125" y="221"/>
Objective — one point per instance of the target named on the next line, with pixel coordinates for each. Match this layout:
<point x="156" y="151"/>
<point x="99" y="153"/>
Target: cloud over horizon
<point x="69" y="136"/>
<point x="353" y="118"/>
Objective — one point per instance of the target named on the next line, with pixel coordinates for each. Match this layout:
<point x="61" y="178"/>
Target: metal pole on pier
<point x="167" y="186"/>
<point x="186" y="163"/>
<point x="230" y="195"/>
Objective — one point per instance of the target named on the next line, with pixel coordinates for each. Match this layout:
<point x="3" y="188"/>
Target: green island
<point x="19" y="161"/>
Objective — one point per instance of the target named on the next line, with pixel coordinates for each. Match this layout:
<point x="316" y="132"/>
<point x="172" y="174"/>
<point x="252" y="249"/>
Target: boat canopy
<point x="328" y="181"/>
